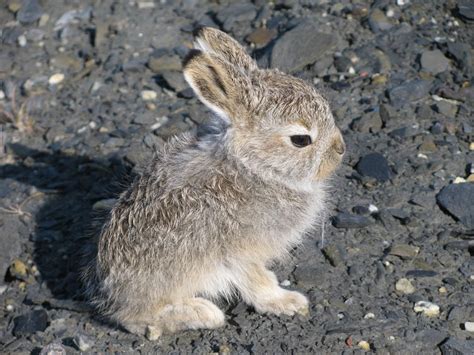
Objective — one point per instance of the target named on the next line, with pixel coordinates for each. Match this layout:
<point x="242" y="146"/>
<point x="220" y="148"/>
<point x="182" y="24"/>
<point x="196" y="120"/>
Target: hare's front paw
<point x="284" y="302"/>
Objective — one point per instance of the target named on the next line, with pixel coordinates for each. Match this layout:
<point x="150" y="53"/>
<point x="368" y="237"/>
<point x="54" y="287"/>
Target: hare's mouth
<point x="328" y="166"/>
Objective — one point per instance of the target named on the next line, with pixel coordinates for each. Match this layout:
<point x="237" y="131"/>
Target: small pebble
<point x="364" y="345"/>
<point x="10" y="308"/>
<point x="96" y="86"/>
<point x="429" y="309"/>
<point x="459" y="180"/>
<point x="405" y="286"/>
<point x="18" y="269"/>
<point x="56" y="78"/>
<point x="369" y="315"/>
<point x="373" y="209"/>
<point x="2" y="94"/>
<point x="83" y="343"/>
<point x="442" y="289"/>
<point x="148" y="95"/>
<point x="22" y="41"/>
<point x="285" y="283"/>
<point x="469" y="326"/>
<point x="404" y="250"/>
<point x="43" y="20"/>
<point x="471" y="146"/>
<point x="146" y="5"/>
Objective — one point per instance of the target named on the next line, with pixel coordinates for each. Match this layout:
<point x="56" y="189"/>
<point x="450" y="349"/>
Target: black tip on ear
<point x="198" y="30"/>
<point x="193" y="53"/>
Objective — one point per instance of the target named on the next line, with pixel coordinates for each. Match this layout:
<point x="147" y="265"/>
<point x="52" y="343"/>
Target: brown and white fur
<point x="208" y="214"/>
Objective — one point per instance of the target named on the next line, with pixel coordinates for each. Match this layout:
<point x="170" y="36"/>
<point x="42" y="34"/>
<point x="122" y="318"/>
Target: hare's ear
<point x="217" y="83"/>
<point x="211" y="40"/>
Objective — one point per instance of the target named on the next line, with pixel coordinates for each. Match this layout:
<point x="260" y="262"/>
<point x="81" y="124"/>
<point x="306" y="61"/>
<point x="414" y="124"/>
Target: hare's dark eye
<point x="301" y="140"/>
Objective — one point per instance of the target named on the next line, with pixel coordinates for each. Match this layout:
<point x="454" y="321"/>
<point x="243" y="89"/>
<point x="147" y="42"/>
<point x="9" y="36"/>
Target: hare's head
<point x="279" y="126"/>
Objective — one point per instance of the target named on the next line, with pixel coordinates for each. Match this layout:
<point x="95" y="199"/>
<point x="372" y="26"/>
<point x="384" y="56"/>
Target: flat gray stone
<point x="409" y="92"/>
<point x="29" y="12"/>
<point x="458" y="200"/>
<point x="434" y="61"/>
<point x="455" y="346"/>
<point x="301" y="46"/>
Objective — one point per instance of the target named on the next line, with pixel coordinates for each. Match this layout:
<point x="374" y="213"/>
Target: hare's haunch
<point x="210" y="212"/>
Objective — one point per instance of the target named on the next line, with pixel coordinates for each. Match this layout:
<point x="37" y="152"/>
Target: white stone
<point x="469" y="326"/>
<point x="3" y="288"/>
<point x="369" y="315"/>
<point x="285" y="283"/>
<point x="148" y="95"/>
<point x="429" y="309"/>
<point x="422" y="156"/>
<point x="146" y="5"/>
<point x="83" y="343"/>
<point x="160" y="121"/>
<point x="2" y="94"/>
<point x="405" y="286"/>
<point x="82" y="130"/>
<point x="459" y="180"/>
<point x="373" y="208"/>
<point x="22" y="40"/>
<point x="56" y="78"/>
<point x="471" y="146"/>
<point x="96" y="86"/>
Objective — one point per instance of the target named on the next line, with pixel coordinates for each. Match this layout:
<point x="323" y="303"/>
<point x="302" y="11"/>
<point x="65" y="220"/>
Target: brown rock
<point x="164" y="63"/>
<point x="261" y="36"/>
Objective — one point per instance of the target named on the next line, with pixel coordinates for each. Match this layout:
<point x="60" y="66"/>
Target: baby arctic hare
<point x="209" y="213"/>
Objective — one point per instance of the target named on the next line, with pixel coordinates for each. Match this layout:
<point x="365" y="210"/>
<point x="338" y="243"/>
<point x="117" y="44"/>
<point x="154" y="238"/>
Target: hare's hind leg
<point x="189" y="313"/>
<point x="259" y="287"/>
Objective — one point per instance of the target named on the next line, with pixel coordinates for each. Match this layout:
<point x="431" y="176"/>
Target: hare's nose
<point x="338" y="143"/>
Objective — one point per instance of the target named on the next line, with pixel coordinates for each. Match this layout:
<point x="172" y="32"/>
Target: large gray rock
<point x="29" y="12"/>
<point x="458" y="200"/>
<point x="301" y="46"/>
<point x="374" y="165"/>
<point x="466" y="9"/>
<point x="235" y="13"/>
<point x="434" y="61"/>
<point x="409" y="91"/>
<point x="30" y="323"/>
<point x="455" y="346"/>
<point x="379" y="22"/>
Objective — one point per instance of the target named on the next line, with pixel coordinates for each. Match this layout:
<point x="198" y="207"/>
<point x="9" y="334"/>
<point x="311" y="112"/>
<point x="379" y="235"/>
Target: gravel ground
<point x="90" y="88"/>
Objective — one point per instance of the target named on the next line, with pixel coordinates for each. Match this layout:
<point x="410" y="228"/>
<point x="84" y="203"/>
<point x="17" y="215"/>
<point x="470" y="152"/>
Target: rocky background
<point x="88" y="89"/>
